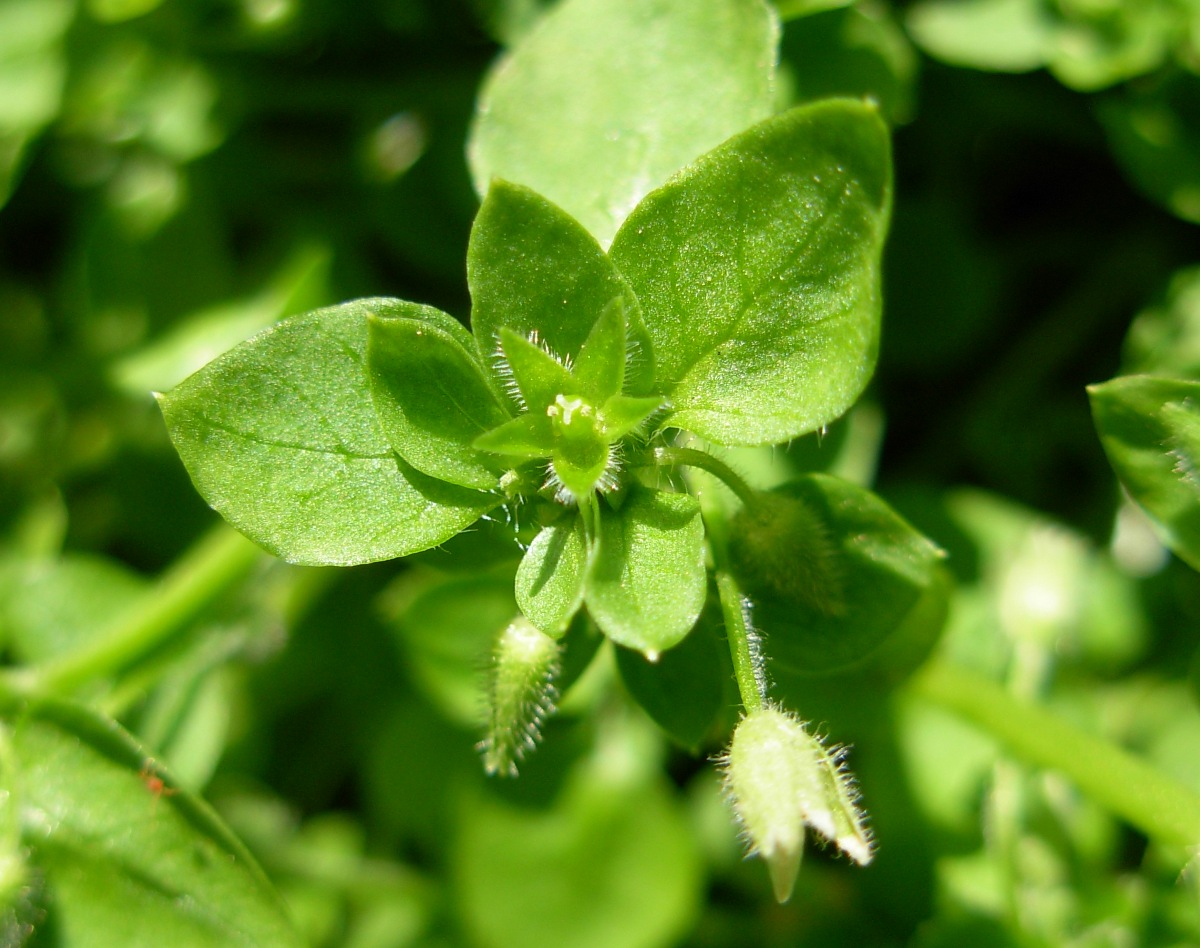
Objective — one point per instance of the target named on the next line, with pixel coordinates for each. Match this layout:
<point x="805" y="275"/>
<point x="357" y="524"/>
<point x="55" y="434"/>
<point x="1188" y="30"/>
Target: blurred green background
<point x="177" y="174"/>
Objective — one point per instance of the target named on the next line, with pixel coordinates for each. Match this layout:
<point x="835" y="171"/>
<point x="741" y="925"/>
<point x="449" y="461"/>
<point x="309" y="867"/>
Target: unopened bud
<point x="521" y="695"/>
<point x="781" y="780"/>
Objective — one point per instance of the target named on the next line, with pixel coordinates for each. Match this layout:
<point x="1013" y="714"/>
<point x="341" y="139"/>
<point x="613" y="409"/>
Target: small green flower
<point x="573" y="415"/>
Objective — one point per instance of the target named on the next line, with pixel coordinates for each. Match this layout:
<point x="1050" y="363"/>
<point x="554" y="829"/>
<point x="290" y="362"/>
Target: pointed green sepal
<point x="622" y="414"/>
<point x="536" y="375"/>
<point x="529" y="436"/>
<point x="600" y="368"/>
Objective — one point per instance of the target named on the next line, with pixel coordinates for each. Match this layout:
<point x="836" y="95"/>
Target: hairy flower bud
<point x="780" y="780"/>
<point x="522" y="693"/>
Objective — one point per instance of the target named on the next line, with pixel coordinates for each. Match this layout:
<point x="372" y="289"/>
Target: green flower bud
<point x="781" y="780"/>
<point x="522" y="694"/>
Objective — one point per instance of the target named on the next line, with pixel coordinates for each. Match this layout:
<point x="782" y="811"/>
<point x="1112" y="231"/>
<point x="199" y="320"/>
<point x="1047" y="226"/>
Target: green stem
<point x="1158" y="805"/>
<point x="691" y="457"/>
<point x="218" y="561"/>
<point x="743" y="648"/>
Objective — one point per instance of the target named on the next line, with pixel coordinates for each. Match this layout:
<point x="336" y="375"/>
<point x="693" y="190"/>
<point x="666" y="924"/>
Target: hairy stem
<point x="691" y="457"/>
<point x="743" y="646"/>
<point x="218" y="561"/>
<point x="1158" y="805"/>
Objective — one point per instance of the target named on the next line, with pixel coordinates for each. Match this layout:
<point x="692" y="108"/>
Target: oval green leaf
<point x="758" y="272"/>
<point x="279" y="436"/>
<point x="432" y="399"/>
<point x="129" y="857"/>
<point x="1150" y="429"/>
<point x="605" y="99"/>
<point x="648" y="581"/>
<point x="551" y="576"/>
<point x="874" y="568"/>
<point x="534" y="270"/>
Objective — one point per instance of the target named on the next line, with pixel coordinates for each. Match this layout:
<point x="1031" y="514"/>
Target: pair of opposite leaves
<point x="748" y="290"/>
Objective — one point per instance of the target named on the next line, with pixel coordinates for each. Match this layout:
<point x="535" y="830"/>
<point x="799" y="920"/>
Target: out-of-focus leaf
<point x="33" y="74"/>
<point x="1153" y="131"/>
<point x="683" y="689"/>
<point x="56" y="606"/>
<point x="1000" y="35"/>
<point x="604" y="99"/>
<point x="126" y="852"/>
<point x="198" y="339"/>
<point x="611" y="864"/>
<point x="859" y="52"/>
<point x="1164" y="339"/>
<point x="449" y="628"/>
<point x="1150" y="429"/>
<point x="831" y="571"/>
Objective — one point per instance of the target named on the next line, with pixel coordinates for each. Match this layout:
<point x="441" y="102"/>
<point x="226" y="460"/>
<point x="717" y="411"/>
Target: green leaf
<point x="57" y="606"/>
<point x="1150" y="429"/>
<point x="533" y="269"/>
<point x="600" y="369"/>
<point x="605" y="99"/>
<point x="684" y="689"/>
<point x="757" y="269"/>
<point x="448" y="627"/>
<point x="854" y="52"/>
<point x="550" y="578"/>
<point x="610" y="865"/>
<point x="431" y="398"/>
<point x="1000" y="35"/>
<point x="830" y="580"/>
<point x="1153" y="130"/>
<point x="648" y="582"/>
<point x="279" y="435"/>
<point x="33" y="74"/>
<point x="126" y="857"/>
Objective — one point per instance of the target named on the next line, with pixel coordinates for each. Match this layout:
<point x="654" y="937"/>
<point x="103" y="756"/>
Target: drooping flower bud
<point x="521" y="695"/>
<point x="780" y="780"/>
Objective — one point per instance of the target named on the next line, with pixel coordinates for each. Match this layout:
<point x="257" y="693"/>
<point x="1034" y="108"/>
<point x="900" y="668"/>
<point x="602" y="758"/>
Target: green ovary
<point x="581" y="454"/>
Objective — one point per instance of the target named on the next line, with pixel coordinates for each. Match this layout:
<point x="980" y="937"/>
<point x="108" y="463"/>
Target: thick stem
<point x="743" y="644"/>
<point x="1158" y="805"/>
<point x="218" y="561"/>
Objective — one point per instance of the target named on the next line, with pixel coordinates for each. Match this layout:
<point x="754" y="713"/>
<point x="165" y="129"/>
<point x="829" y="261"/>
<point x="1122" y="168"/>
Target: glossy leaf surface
<point x="279" y="435"/>
<point x="536" y="271"/>
<point x="551" y="576"/>
<point x="432" y="398"/>
<point x="647" y="585"/>
<point x="757" y="270"/>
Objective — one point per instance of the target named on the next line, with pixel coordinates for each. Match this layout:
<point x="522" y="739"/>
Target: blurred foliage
<point x="177" y="174"/>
